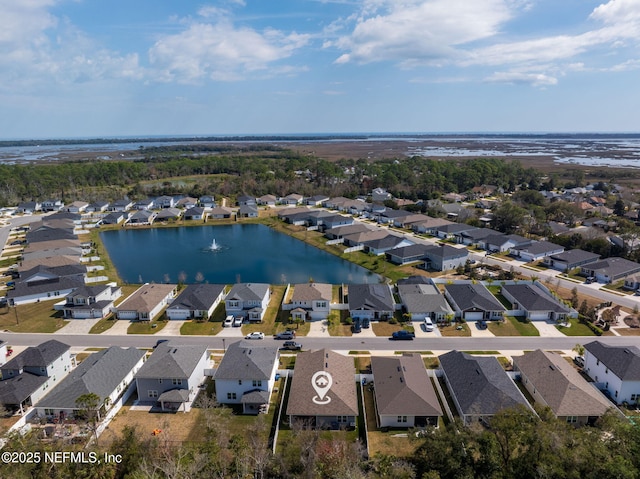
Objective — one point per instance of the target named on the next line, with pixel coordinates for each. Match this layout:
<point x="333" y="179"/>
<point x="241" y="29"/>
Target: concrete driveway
<point x="78" y="326"/>
<point x="476" y="332"/>
<point x="421" y="331"/>
<point x="547" y="329"/>
<point x="318" y="329"/>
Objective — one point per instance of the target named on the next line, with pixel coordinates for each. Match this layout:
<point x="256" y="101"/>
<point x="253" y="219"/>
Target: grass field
<point x="576" y="329"/>
<point x="512" y="326"/>
<point x="32" y="318"/>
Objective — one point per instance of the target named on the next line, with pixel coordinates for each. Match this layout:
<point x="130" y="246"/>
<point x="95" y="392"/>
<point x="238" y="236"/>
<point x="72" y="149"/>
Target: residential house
<point x="292" y="199"/>
<point x="4" y="353"/>
<point x="220" y="213"/>
<point x="195" y="213"/>
<point x="246" y="375"/>
<point x="479" y="386"/>
<point x="500" y="242"/>
<point x="337" y="203"/>
<point x="473" y="236"/>
<point x="171" y="375"/>
<point x="114" y="218"/>
<point x="29" y="207"/>
<point x="107" y="374"/>
<point x="379" y="246"/>
<point x="248" y="212"/>
<point x="473" y="301"/>
<point x="404" y="395"/>
<point x="571" y="259"/>
<point x="207" y="201"/>
<point x="196" y="301"/>
<point x="371" y="301"/>
<point x="632" y="282"/>
<point x="340" y="232"/>
<point x="246" y="200"/>
<point x="143" y="205"/>
<point x="449" y="231"/>
<point x="358" y="239"/>
<point x="165" y="202"/>
<point x="555" y="383"/>
<point x="52" y="205"/>
<point x="90" y="302"/>
<point x="120" y="206"/>
<point x="146" y="303"/>
<point x="407" y="254"/>
<point x="187" y="203"/>
<point x="310" y="301"/>
<point x="335" y="221"/>
<point x="31" y="374"/>
<point x="536" y="250"/>
<point x="267" y="200"/>
<point x="323" y="391"/>
<point x="42" y="283"/>
<point x="248" y="300"/>
<point x="316" y="200"/>
<point x="77" y="207"/>
<point x="168" y="214"/>
<point x="423" y="301"/>
<point x="610" y="270"/>
<point x="615" y="370"/>
<point x="98" y="207"/>
<point x="142" y="217"/>
<point x="445" y="257"/>
<point x="430" y="226"/>
<point x="532" y="302"/>
<point x="380" y="195"/>
<point x="408" y="219"/>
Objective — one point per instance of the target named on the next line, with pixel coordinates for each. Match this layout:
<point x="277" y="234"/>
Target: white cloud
<point x="221" y="51"/>
<point x="535" y="79"/>
<point x="418" y="31"/>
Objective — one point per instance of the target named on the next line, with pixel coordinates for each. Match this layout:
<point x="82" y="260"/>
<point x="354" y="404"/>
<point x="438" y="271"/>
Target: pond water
<point x="241" y="253"/>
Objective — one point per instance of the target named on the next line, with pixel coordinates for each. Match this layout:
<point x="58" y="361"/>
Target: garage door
<point x="473" y="315"/>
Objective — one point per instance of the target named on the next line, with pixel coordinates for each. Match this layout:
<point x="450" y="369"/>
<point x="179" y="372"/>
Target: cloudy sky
<point x="87" y="68"/>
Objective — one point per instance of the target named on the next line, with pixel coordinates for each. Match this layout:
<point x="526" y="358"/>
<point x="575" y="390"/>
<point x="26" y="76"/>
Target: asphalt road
<point x="353" y="343"/>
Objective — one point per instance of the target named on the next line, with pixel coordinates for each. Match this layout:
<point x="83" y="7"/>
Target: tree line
<point x="517" y="444"/>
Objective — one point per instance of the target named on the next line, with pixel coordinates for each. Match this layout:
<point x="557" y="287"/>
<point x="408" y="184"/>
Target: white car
<point x="255" y="335"/>
<point x="428" y="324"/>
<point x="228" y="321"/>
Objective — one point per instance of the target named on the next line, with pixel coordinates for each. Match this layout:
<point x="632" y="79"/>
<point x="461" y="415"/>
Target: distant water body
<point x="620" y="150"/>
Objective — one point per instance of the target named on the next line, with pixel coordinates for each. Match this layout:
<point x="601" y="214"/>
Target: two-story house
<point x="310" y="301"/>
<point x="615" y="370"/>
<point x="88" y="302"/>
<point x="248" y="300"/>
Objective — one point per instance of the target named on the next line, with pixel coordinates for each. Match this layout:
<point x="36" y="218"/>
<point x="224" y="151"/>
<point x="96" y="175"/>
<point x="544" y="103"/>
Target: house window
<point x="342" y="418"/>
<point x="606" y="371"/>
<point x="616" y="394"/>
<point x="233" y="304"/>
<point x="572" y="419"/>
<point x="176" y="382"/>
<point x="231" y="395"/>
<point x="239" y="382"/>
<point x="402" y="419"/>
<point x="152" y="393"/>
<point x="597" y="362"/>
<point x="159" y="380"/>
<point x="49" y="412"/>
<point x="257" y="383"/>
<point x="322" y="304"/>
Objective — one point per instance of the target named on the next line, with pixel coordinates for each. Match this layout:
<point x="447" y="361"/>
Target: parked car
<point x="228" y="321"/>
<point x="482" y="324"/>
<point x="590" y="279"/>
<point x="356" y="327"/>
<point x="285" y="335"/>
<point x="291" y="346"/>
<point x="402" y="335"/>
<point x="366" y="323"/>
<point x="255" y="335"/>
<point x="579" y="360"/>
<point x="428" y="324"/>
<point x="237" y="322"/>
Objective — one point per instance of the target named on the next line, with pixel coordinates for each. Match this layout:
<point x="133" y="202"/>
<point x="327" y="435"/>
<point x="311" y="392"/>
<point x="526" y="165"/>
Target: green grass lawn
<point x="512" y="326"/>
<point x="337" y="327"/>
<point x="452" y="330"/>
<point x="576" y="329"/>
<point x="32" y="318"/>
<point x="205" y="328"/>
<point x="268" y="325"/>
<point x="146" y="327"/>
<point x="104" y="324"/>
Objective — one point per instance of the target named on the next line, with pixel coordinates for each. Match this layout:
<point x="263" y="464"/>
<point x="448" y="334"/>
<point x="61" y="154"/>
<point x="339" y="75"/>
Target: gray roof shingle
<point x="246" y="360"/>
<point x="623" y="361"/>
<point x="171" y="360"/>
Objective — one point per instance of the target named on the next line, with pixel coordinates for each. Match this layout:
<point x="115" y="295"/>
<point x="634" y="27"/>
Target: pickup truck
<point x="291" y="346"/>
<point x="402" y="335"/>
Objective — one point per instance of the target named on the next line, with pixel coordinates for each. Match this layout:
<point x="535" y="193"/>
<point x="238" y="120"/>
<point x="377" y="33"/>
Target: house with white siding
<point x="615" y="370"/>
<point x="147" y="302"/>
<point x="248" y="300"/>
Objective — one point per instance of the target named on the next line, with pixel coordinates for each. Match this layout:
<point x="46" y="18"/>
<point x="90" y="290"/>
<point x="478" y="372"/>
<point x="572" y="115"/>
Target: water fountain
<point x="214" y="246"/>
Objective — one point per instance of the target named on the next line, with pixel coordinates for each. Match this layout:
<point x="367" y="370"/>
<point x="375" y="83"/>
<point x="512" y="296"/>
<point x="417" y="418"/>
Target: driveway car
<point x="228" y="321"/>
<point x="428" y="324"/>
<point x="237" y="322"/>
<point x="285" y="335"/>
<point x="291" y="346"/>
<point x="255" y="335"/>
<point x="402" y="335"/>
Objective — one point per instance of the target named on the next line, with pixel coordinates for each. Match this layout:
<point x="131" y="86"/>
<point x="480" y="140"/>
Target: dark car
<point x="482" y="324"/>
<point x="366" y="323"/>
<point x="356" y="327"/>
<point x="402" y="335"/>
<point x="291" y="346"/>
<point x="285" y="335"/>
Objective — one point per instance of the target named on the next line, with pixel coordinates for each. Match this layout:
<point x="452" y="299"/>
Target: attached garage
<point x="473" y="315"/>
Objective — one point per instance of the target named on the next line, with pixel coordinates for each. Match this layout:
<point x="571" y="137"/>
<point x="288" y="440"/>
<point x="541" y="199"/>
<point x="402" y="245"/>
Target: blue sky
<point x="90" y="68"/>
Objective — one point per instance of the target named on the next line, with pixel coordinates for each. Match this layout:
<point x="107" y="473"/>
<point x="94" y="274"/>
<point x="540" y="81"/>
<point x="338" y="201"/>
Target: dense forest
<point x="254" y="170"/>
<point x="518" y="444"/>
